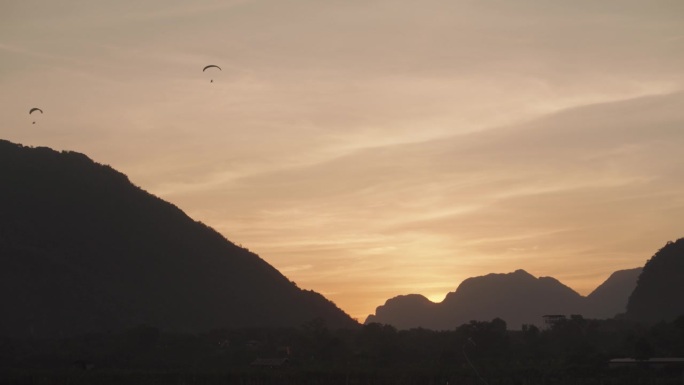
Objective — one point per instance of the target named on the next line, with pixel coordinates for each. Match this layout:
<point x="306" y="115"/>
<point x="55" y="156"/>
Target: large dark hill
<point x="659" y="292"/>
<point x="82" y="249"/>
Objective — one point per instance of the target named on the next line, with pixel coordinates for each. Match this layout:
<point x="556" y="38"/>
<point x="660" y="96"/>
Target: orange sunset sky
<point x="368" y="149"/>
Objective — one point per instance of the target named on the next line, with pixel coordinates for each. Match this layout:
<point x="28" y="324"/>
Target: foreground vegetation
<point x="571" y="351"/>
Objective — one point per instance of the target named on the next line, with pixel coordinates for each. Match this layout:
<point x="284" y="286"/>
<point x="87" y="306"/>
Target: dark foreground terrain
<point x="572" y="350"/>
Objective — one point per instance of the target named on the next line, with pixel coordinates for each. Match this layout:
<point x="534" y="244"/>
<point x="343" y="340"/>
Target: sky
<point x="369" y="149"/>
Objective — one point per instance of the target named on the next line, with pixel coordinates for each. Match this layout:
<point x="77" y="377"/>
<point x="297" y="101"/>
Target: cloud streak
<point x="370" y="149"/>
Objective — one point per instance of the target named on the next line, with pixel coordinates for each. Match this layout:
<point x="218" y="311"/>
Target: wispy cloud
<point x="367" y="148"/>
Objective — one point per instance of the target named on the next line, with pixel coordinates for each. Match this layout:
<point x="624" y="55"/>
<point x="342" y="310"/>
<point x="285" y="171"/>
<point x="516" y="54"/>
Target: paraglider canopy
<point x="211" y="66"/>
<point x="34" y="109"/>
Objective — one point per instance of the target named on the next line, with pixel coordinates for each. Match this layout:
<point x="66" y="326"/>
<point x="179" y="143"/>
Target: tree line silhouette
<point x="573" y="350"/>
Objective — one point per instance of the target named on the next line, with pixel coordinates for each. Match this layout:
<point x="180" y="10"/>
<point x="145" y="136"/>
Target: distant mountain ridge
<point x="610" y="298"/>
<point x="82" y="249"/>
<point x="518" y="298"/>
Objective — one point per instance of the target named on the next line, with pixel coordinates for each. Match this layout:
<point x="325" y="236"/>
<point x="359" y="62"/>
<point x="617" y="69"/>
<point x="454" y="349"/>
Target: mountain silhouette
<point x="82" y="249"/>
<point x="610" y="298"/>
<point x="518" y="298"/>
<point x="405" y="312"/>
<point x="658" y="293"/>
